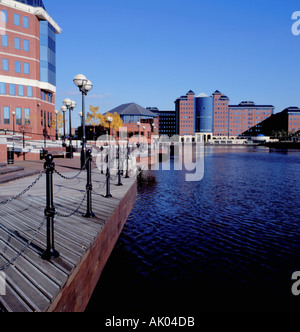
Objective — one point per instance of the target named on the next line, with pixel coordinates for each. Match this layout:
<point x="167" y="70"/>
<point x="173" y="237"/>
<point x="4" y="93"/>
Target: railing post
<point x="108" y="194"/>
<point x="127" y="162"/>
<point x="50" y="252"/>
<point x="119" y="169"/>
<point x="23" y="139"/>
<point x="89" y="185"/>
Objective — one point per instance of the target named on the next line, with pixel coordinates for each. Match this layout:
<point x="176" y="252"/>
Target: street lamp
<point x="108" y="194"/>
<point x="70" y="106"/>
<point x="64" y="110"/>
<point x="144" y="130"/>
<point x="56" y="125"/>
<point x="13" y="114"/>
<point x="139" y="124"/>
<point x="84" y="86"/>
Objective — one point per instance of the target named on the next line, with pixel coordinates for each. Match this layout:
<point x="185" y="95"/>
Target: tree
<point x="93" y="117"/>
<point x="116" y="124"/>
<point x="60" y="121"/>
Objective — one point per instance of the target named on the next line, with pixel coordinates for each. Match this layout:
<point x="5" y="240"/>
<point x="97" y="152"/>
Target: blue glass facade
<point x="204" y="114"/>
<point x="33" y="3"/>
<point x="47" y="53"/>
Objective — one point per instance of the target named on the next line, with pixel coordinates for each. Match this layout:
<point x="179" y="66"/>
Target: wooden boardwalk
<point x="36" y="285"/>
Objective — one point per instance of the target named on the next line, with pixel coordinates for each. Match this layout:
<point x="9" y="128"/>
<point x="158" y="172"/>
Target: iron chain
<point x="24" y="191"/>
<point x="21" y="252"/>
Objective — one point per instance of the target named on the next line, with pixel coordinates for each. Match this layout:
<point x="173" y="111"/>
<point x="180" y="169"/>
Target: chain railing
<point x="51" y="212"/>
<point x="25" y="190"/>
<point x="21" y="252"/>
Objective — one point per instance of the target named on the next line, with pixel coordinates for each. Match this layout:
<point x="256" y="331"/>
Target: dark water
<point x="228" y="243"/>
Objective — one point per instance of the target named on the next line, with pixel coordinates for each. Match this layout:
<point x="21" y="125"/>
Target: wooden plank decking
<point x="84" y="244"/>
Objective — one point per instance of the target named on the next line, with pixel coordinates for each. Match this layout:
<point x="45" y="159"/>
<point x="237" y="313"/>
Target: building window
<point x="5" y="65"/>
<point x="4" y="16"/>
<point x="21" y="90"/>
<point x="25" y="22"/>
<point x="12" y="89"/>
<point x="26" y="45"/>
<point x="17" y="43"/>
<point x="47" y="53"/>
<point x="6" y="115"/>
<point x="18" y="67"/>
<point x="26" y="68"/>
<point x="3" y="88"/>
<point x="17" y="19"/>
<point x="42" y="118"/>
<point x="4" y="40"/>
<point x="19" y="116"/>
<point x="27" y="116"/>
<point x="29" y="91"/>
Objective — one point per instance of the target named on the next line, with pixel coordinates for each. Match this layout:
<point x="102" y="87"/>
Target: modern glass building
<point x="204" y="113"/>
<point x="27" y="67"/>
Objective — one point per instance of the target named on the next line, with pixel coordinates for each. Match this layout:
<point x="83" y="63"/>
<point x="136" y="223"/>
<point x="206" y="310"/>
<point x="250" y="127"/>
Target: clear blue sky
<point x="151" y="52"/>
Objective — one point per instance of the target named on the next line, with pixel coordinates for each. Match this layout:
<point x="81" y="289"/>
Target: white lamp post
<point x="84" y="86"/>
<point x="56" y="125"/>
<point x="64" y="110"/>
<point x="70" y="104"/>
<point x="108" y="194"/>
<point x="13" y="114"/>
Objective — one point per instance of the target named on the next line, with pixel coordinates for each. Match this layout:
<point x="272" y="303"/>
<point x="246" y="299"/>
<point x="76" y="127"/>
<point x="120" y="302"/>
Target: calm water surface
<point x="230" y="242"/>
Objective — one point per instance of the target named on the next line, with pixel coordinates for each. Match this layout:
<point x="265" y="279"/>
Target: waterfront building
<point x="221" y="114"/>
<point x="247" y="115"/>
<point x="166" y="121"/>
<point x="205" y="117"/>
<point x="280" y="124"/>
<point x="138" y="120"/>
<point x="185" y="114"/>
<point x="27" y="67"/>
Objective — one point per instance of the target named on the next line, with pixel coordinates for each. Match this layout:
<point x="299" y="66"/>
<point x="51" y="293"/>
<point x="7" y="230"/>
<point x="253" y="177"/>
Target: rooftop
<point x="191" y="93"/>
<point x="250" y="104"/>
<point x="132" y="109"/>
<point x="202" y="95"/>
<point x="294" y="109"/>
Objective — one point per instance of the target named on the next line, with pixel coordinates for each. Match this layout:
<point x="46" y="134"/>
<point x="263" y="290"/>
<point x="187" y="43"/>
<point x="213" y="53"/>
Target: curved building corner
<point x="27" y="67"/>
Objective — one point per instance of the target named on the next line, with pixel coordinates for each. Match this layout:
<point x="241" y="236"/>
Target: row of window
<point x="16" y="90"/>
<point x="47" y="96"/>
<point x="46" y="119"/>
<point x="17" y="43"/>
<point x="21" y="116"/>
<point x="18" y="66"/>
<point x="18" y="20"/>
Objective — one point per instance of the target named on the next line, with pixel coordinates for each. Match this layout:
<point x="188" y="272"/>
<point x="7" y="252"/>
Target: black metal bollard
<point x="23" y="132"/>
<point x="108" y="194"/>
<point x="127" y="162"/>
<point x="10" y="156"/>
<point x="50" y="252"/>
<point x="119" y="169"/>
<point x="102" y="160"/>
<point x="89" y="185"/>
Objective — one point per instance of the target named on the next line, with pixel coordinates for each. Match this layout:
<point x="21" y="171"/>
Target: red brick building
<point x="221" y="114"/>
<point x="27" y="67"/>
<point x="138" y="121"/>
<point x="185" y="114"/>
<point x="280" y="124"/>
<point x="217" y="116"/>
